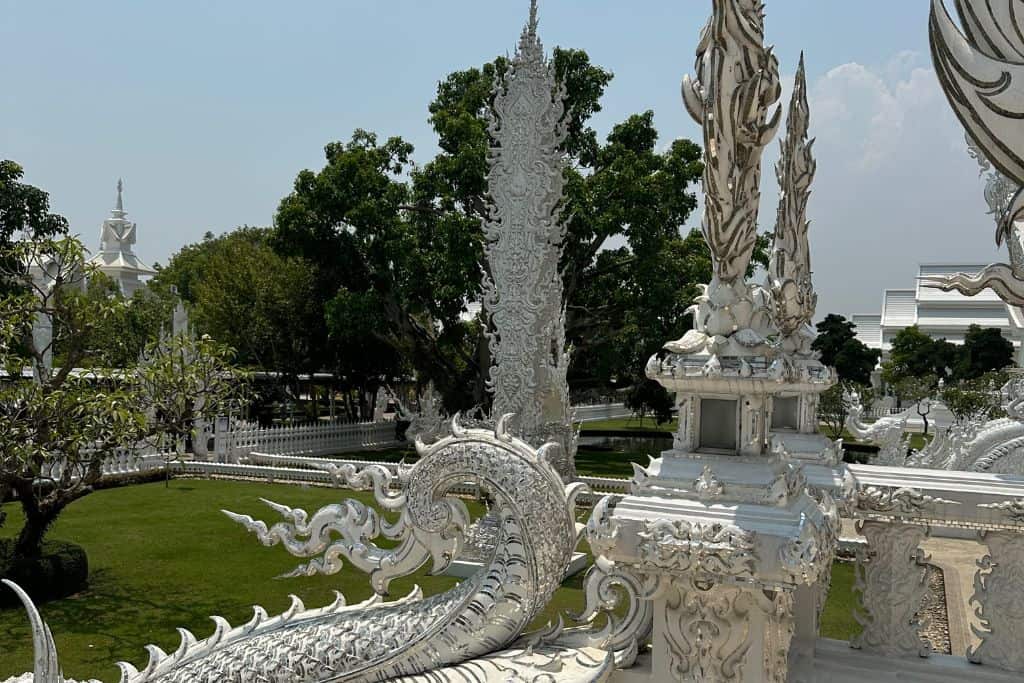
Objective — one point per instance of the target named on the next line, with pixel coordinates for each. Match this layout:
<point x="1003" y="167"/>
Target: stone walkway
<point x="957" y="558"/>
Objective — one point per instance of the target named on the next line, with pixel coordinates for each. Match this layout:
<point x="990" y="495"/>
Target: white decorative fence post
<point x="999" y="600"/>
<point x="892" y="582"/>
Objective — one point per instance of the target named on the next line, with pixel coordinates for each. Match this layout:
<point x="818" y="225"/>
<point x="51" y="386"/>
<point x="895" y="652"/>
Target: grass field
<point x="163" y="557"/>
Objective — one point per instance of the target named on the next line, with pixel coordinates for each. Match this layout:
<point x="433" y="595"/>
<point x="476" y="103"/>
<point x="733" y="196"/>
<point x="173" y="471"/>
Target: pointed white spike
<point x="46" y="668"/>
<point x="295" y="608"/>
<point x="188" y="639"/>
<point x="156" y="656"/>
<point x="128" y="672"/>
<point x="457" y="430"/>
<point x="339" y="602"/>
<point x="501" y="429"/>
<point x="221" y="627"/>
<point x="259" y="615"/>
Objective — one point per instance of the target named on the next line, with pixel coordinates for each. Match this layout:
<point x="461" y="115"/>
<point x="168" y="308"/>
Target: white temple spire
<point x="522" y="293"/>
<point x="119" y="207"/>
<point x="529" y="42"/>
<point x="116" y="257"/>
<point x="789" y="272"/>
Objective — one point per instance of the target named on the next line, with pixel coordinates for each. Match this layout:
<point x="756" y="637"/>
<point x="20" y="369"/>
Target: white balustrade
<point x="243" y="439"/>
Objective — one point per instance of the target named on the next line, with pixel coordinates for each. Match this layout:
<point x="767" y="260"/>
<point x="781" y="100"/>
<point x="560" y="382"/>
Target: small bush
<point x="61" y="570"/>
<point x="114" y="481"/>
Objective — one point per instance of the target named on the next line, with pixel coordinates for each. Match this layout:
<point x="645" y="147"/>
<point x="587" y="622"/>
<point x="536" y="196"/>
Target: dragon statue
<point x="981" y="70"/>
<point x="885" y="432"/>
<point x="471" y="632"/>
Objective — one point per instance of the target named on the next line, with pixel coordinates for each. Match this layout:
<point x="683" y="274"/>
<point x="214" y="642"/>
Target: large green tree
<point x="60" y="427"/>
<point x="397" y="248"/>
<point x="24" y="214"/>
<point x="241" y="292"/>
<point x="914" y="354"/>
<point x="984" y="350"/>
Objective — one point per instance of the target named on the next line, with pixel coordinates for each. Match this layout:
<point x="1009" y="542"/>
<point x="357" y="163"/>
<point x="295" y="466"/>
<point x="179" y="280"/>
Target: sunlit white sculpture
<point x="522" y="291"/>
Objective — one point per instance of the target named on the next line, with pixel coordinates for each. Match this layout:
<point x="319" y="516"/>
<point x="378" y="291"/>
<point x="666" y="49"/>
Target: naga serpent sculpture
<point x="457" y="635"/>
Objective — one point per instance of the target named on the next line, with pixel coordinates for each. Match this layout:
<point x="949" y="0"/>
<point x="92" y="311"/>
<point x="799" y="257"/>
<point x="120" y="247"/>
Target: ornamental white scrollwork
<point x="719" y="550"/>
<point x="897" y="502"/>
<point x="708" y="632"/>
<point x="789" y="271"/>
<point x="979" y="69"/>
<point x="998" y="600"/>
<point x="1014" y="509"/>
<point x="891" y="584"/>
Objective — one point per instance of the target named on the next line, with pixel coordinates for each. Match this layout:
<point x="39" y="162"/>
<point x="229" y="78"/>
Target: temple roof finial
<point x="529" y="43"/>
<point x="120" y="202"/>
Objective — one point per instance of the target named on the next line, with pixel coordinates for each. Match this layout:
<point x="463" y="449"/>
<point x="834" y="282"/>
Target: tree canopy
<point x="396" y="249"/>
<point x="915" y="354"/>
<point x="839" y="348"/>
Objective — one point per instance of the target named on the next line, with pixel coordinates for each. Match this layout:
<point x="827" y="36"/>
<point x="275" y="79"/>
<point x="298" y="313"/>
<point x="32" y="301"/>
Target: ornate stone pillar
<point x="524" y="233"/>
<point x="999" y="602"/>
<point x="892" y="580"/>
<point x="717" y="632"/>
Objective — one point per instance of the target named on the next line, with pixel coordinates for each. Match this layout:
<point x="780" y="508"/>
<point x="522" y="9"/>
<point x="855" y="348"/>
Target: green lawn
<point x="165" y="557"/>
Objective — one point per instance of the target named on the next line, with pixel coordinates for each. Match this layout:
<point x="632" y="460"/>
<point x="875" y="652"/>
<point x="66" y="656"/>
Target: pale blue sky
<point x="209" y="109"/>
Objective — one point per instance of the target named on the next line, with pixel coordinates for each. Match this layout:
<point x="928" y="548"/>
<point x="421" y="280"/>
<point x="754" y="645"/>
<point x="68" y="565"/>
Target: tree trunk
<point x="924" y="418"/>
<point x="30" y="539"/>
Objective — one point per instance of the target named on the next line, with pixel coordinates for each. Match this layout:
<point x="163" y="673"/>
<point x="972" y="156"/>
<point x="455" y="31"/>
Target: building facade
<point x="940" y="315"/>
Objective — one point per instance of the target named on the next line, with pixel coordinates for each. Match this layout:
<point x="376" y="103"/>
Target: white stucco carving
<point x="999" y="599"/>
<point x="413" y="636"/>
<point x="789" y="271"/>
<point x="886" y="432"/>
<point x="891" y="584"/>
<point x="522" y="290"/>
<point x="981" y="71"/>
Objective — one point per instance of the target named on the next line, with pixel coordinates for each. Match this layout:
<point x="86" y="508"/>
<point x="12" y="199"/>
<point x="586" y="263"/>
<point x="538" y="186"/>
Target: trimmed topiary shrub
<point x="62" y="570"/>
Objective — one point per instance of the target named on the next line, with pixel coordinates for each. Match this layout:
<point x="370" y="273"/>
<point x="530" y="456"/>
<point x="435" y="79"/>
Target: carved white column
<point x="892" y="581"/>
<point x="524" y="234"/>
<point x="999" y="602"/>
<point x="722" y="633"/>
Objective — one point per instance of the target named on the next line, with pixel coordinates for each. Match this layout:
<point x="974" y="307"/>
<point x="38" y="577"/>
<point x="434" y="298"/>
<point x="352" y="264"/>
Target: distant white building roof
<point x="941" y="315"/>
<point x="116" y="258"/>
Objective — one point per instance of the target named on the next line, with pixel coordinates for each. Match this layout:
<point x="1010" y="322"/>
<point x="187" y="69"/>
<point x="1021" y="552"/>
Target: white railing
<point x="601" y="411"/>
<point x="121" y="461"/>
<point x="325" y="438"/>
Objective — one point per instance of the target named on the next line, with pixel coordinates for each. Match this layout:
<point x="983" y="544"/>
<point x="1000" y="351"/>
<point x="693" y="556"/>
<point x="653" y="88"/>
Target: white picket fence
<point x="318" y="438"/>
<point x="600" y="411"/>
<point x="123" y="461"/>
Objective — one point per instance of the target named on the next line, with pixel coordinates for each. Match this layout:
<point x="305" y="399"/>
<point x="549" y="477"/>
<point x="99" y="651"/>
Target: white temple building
<point x="116" y="258"/>
<point x="940" y="315"/>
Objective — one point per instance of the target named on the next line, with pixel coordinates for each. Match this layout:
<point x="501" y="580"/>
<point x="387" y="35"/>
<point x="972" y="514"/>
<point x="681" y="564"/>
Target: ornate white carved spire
<point x="736" y="84"/>
<point x="789" y="272"/>
<point x="523" y="286"/>
<point x="735" y="88"/>
<point x="116" y="256"/>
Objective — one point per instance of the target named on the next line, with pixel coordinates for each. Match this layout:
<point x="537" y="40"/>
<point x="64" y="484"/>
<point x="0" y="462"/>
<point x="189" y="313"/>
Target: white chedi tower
<point x="116" y="258"/>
